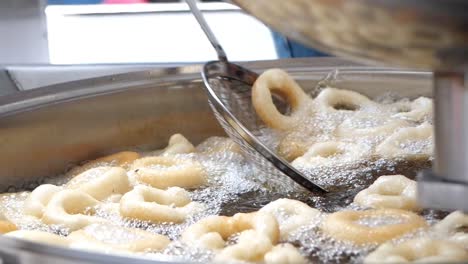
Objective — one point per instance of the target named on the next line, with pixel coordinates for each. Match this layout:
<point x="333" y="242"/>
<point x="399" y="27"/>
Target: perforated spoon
<point x="229" y="92"/>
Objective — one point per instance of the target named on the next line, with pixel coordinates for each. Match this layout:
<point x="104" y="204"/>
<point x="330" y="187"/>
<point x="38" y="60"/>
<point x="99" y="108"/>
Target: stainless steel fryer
<point x="45" y="131"/>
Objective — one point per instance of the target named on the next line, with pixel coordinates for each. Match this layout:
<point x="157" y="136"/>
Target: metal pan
<point x="44" y="131"/>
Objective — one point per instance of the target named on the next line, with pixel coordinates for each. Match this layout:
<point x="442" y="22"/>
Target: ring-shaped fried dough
<point x="40" y="237"/>
<point x="291" y="150"/>
<point x="450" y="225"/>
<point x="7" y="227"/>
<point x="292" y="147"/>
<point x="39" y="198"/>
<point x="112" y="238"/>
<point x="212" y="232"/>
<point x="290" y="215"/>
<point x="178" y="144"/>
<point x="389" y="191"/>
<point x="168" y="171"/>
<point x="344" y="225"/>
<point x="71" y="209"/>
<point x="421" y="250"/>
<point x="101" y="182"/>
<point x="279" y="82"/>
<point x="250" y="247"/>
<point x="460" y="238"/>
<point x="331" y="152"/>
<point x="409" y="143"/>
<point x="263" y="223"/>
<point x="150" y="204"/>
<point x="284" y="254"/>
<point x="334" y="99"/>
<point x="122" y="159"/>
<point x="420" y="110"/>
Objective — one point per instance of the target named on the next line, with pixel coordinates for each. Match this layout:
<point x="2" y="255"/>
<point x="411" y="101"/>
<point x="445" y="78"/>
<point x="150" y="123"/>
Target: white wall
<point x="23" y="33"/>
<point x="152" y="33"/>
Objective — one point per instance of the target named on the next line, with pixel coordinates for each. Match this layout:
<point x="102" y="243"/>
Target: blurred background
<point x="125" y="31"/>
<point x="132" y="31"/>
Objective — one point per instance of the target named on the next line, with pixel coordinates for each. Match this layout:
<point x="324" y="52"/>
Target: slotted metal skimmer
<point x="229" y="92"/>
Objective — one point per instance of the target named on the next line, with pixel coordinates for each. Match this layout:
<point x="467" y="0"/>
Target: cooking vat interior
<point x="48" y="140"/>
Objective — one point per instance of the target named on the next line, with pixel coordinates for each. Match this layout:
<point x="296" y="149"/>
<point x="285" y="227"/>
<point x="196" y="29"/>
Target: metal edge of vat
<point x="29" y="102"/>
<point x="56" y="93"/>
<point x="21" y="100"/>
<point x="15" y="251"/>
<point x="67" y="79"/>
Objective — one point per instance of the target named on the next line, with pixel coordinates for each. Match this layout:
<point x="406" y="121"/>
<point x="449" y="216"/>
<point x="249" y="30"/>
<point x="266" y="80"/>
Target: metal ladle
<point x="229" y="90"/>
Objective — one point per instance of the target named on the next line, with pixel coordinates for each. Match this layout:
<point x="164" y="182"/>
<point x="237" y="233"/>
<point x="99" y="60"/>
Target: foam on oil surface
<point x="234" y="186"/>
<point x="12" y="205"/>
<point x="379" y="221"/>
<point x="318" y="123"/>
<point x="112" y="234"/>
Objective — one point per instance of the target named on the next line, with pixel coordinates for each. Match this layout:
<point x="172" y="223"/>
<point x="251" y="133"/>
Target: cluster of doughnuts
<point x="388" y="215"/>
<point x="149" y="189"/>
<point x="341" y="125"/>
<point x="446" y="241"/>
<point x="253" y="237"/>
<point x="157" y="188"/>
<point x="259" y="236"/>
<point x="388" y="204"/>
<point x="146" y="188"/>
<point x="389" y="222"/>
